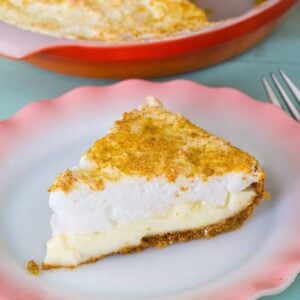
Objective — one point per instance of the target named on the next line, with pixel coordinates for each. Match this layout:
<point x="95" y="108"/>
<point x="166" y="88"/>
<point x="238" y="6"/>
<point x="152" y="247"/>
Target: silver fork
<point x="286" y="103"/>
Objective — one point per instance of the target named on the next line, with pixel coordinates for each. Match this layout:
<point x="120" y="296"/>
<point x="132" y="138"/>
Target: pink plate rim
<point x="33" y="43"/>
<point x="286" y="262"/>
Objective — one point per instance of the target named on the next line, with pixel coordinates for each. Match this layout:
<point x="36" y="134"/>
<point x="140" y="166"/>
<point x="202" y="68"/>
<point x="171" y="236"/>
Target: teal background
<point x="21" y="83"/>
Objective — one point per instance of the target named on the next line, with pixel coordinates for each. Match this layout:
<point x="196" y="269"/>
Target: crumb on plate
<point x="33" y="268"/>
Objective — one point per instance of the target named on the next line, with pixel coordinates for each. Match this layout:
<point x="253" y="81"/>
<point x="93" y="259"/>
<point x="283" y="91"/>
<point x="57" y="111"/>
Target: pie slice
<point x="155" y="179"/>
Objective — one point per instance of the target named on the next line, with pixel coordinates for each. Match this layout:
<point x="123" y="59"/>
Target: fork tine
<point x="271" y="95"/>
<point x="292" y="86"/>
<point x="295" y="113"/>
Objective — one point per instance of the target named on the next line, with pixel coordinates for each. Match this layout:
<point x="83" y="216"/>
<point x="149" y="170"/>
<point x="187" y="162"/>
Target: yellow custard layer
<point x="72" y="250"/>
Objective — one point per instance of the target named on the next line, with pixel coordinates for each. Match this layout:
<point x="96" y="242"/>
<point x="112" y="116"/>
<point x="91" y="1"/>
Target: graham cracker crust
<point x="207" y="232"/>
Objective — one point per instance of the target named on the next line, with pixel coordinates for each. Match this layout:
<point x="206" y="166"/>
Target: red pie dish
<point x="149" y="58"/>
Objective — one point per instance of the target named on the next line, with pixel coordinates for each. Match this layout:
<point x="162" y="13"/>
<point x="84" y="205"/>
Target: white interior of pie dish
<point x="222" y="10"/>
<point x="16" y="43"/>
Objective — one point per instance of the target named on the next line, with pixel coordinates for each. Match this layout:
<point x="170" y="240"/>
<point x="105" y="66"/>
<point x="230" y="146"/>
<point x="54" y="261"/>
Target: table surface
<point x="21" y="83"/>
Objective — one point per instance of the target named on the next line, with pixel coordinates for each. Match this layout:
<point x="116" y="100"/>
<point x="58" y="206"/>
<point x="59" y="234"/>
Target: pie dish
<point x="150" y="58"/>
<point x="155" y="179"/>
<point x="48" y="136"/>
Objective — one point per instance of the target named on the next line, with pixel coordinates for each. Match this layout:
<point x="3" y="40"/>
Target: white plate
<point x="49" y="136"/>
